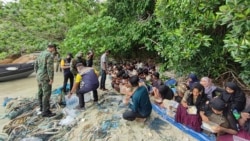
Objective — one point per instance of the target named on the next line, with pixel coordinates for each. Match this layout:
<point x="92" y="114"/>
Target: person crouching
<point x="141" y="106"/>
<point x="88" y="83"/>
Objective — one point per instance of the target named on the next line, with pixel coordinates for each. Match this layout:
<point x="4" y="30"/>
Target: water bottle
<point x="236" y="114"/>
<point x="72" y="102"/>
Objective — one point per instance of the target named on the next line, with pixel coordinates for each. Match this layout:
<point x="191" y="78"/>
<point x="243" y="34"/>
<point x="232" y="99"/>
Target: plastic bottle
<point x="72" y="102"/>
<point x="236" y="114"/>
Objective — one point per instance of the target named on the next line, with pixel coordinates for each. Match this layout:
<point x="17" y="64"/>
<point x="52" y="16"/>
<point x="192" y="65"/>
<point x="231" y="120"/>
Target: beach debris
<point x="101" y="121"/>
<point x="6" y="100"/>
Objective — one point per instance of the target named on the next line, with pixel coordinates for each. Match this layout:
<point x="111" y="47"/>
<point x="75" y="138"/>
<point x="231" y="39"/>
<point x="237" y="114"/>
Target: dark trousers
<point x="130" y="115"/>
<point x="103" y="79"/>
<point x="81" y="98"/>
<point x="68" y="76"/>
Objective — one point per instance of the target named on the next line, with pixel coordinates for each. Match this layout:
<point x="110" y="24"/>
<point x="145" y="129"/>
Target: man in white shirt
<point x="104" y="69"/>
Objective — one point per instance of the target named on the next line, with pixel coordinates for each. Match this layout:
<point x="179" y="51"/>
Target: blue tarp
<point x="197" y="135"/>
<point x="59" y="89"/>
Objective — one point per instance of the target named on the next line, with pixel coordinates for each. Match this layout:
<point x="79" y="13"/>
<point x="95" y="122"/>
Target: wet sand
<point x="25" y="87"/>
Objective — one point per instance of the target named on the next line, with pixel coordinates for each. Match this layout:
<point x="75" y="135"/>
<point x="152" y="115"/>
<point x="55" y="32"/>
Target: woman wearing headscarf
<point x="234" y="97"/>
<point x="210" y="90"/>
<point x="192" y="78"/>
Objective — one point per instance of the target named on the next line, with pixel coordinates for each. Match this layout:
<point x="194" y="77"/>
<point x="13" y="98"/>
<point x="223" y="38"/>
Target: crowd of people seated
<point x="196" y="103"/>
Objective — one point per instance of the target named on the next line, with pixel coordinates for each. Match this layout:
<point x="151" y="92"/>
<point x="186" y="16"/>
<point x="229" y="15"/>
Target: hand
<point x="50" y="82"/>
<point x="216" y="129"/>
<point x="245" y="115"/>
<point x="184" y="104"/>
<point x="69" y="94"/>
<point x="204" y="118"/>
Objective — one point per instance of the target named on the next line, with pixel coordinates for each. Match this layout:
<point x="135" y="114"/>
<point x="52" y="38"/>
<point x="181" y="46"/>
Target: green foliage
<point x="235" y="14"/>
<point x="126" y="32"/>
<point x="93" y="33"/>
<point x="199" y="35"/>
<point x="30" y="25"/>
<point x="208" y="37"/>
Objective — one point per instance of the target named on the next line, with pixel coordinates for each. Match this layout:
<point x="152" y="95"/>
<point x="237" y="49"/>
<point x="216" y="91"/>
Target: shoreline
<point x="25" y="88"/>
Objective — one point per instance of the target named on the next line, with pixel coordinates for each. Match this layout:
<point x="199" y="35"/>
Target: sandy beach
<point x="26" y="87"/>
<point x="98" y="123"/>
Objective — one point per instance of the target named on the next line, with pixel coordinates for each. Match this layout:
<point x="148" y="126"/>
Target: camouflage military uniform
<point x="44" y="69"/>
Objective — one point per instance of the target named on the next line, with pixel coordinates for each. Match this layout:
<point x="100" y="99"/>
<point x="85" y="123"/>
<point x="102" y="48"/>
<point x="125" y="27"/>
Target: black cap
<point x="217" y="104"/>
<point x="53" y="46"/>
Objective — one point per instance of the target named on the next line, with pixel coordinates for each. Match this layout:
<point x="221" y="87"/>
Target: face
<point x="229" y="90"/>
<point x="79" y="68"/>
<point x="156" y="93"/>
<point x="204" y="82"/>
<point x="52" y="49"/>
<point x="196" y="92"/>
<point x="217" y="112"/>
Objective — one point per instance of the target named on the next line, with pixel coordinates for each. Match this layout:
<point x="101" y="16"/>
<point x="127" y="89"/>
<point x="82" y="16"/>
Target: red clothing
<point x="229" y="137"/>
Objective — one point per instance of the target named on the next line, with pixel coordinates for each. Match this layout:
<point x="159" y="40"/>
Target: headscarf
<point x="210" y="88"/>
<point x="237" y="99"/>
<point x="234" y="87"/>
<point x="193" y="78"/>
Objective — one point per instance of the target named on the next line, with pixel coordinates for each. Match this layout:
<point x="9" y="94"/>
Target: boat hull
<point x="15" y="71"/>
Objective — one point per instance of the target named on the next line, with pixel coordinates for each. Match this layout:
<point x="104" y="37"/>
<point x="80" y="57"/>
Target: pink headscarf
<point x="209" y="87"/>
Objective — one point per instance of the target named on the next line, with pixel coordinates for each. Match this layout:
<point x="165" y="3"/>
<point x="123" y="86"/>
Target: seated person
<point x="124" y="83"/>
<point x="140" y="106"/>
<point x="156" y="81"/>
<point x="244" y="132"/>
<point x="117" y="80"/>
<point x="181" y="89"/>
<point x="163" y="97"/>
<point x="210" y="90"/>
<point x="216" y="112"/>
<point x="161" y="93"/>
<point x="192" y="78"/>
<point x="234" y="97"/>
<point x="187" y="111"/>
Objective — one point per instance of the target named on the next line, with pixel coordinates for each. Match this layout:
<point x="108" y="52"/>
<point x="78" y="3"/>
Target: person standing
<point x="44" y="68"/>
<point x="104" y="69"/>
<point x="90" y="57"/>
<point x="58" y="60"/>
<point x="65" y="65"/>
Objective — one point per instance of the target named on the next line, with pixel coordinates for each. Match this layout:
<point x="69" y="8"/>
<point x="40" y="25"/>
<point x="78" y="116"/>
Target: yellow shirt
<point x="62" y="63"/>
<point x="78" y="78"/>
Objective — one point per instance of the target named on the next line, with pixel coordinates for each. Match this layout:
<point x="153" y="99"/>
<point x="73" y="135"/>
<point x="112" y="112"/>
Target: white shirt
<point x="104" y="60"/>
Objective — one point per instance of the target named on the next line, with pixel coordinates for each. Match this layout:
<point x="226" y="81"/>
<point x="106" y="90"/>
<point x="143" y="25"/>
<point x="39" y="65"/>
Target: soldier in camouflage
<point x="44" y="68"/>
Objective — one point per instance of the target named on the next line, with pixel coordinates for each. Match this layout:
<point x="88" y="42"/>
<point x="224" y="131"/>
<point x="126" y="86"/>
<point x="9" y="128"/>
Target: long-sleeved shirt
<point x="44" y="66"/>
<point x="140" y="102"/>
